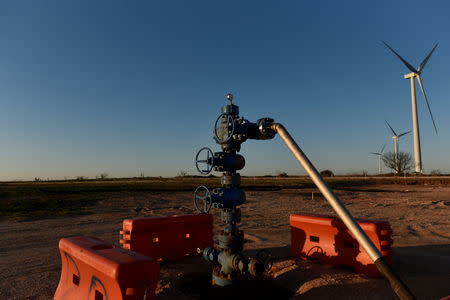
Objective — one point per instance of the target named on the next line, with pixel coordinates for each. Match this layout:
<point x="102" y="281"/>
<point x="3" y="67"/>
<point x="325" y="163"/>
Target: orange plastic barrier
<point x="93" y="269"/>
<point x="327" y="239"/>
<point x="168" y="238"/>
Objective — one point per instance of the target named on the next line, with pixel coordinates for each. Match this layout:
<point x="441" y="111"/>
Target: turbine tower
<point x="380" y="155"/>
<point x="416" y="74"/>
<point x="396" y="137"/>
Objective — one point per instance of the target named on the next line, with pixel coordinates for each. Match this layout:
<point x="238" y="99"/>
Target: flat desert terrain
<point x="419" y="215"/>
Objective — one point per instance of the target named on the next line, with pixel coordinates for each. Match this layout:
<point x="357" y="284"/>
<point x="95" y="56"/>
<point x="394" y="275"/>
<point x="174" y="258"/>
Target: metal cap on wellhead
<point x="230" y="108"/>
<point x="230" y="98"/>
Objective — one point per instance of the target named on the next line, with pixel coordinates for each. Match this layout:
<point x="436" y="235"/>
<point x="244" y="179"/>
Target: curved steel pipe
<point x="383" y="266"/>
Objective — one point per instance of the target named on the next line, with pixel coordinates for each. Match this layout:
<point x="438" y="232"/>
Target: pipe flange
<point x="265" y="128"/>
<point x="233" y="215"/>
<point x="230" y="109"/>
<point x="234" y="179"/>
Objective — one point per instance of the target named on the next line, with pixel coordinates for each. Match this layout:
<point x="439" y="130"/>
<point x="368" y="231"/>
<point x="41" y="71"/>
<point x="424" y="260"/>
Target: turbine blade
<point x="411" y="68"/>
<point x="426" y="100"/>
<point x="391" y="128"/>
<point x="422" y="65"/>
<point x="381" y="152"/>
<point x="404" y="133"/>
<point x="375" y="153"/>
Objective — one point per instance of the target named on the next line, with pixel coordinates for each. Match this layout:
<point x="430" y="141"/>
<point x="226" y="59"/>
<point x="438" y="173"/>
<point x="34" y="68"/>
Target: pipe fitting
<point x="211" y="254"/>
<point x="265" y="128"/>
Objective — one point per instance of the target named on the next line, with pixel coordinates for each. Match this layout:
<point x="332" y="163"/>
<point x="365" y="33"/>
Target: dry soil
<point x="419" y="215"/>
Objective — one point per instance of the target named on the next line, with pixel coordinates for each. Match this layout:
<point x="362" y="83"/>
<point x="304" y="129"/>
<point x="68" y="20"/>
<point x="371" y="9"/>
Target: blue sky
<point x="131" y="87"/>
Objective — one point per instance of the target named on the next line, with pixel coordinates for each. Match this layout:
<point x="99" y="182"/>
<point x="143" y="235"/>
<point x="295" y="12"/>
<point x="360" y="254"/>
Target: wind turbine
<point x="416" y="74"/>
<point x="396" y="137"/>
<point x="380" y="155"/>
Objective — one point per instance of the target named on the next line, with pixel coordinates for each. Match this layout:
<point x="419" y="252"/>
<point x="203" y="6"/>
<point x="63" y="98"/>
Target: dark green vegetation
<point x="33" y="201"/>
<point x="44" y="199"/>
<point x="44" y="207"/>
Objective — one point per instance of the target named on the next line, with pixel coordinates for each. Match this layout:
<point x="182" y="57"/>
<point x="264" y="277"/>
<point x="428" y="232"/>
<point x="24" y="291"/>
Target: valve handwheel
<point x="206" y="198"/>
<point x="228" y="131"/>
<point x="209" y="161"/>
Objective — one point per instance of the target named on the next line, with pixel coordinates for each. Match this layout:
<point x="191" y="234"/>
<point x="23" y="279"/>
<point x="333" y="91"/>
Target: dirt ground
<point x="419" y="215"/>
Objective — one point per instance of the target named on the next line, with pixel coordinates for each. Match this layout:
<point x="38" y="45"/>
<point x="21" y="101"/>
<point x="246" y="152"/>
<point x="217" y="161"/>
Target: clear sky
<point x="131" y="87"/>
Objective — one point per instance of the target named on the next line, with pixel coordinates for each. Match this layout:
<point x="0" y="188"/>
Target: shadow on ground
<point x="424" y="269"/>
<point x="199" y="286"/>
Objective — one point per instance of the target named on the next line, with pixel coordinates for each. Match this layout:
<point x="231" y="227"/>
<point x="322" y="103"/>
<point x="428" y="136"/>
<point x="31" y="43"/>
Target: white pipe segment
<point x="331" y="197"/>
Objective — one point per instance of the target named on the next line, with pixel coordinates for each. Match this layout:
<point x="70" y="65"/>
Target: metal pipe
<point x="337" y="205"/>
<point x="383" y="266"/>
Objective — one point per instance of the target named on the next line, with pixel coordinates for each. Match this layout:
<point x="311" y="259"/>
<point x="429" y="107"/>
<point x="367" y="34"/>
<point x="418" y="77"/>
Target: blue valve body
<point x="227" y="197"/>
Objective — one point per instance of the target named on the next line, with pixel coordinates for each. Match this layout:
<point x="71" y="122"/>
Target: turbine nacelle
<point x="411" y="75"/>
<point x="396" y="136"/>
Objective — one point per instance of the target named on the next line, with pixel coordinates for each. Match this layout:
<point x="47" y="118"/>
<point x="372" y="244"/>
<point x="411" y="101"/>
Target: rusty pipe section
<point x="234" y="262"/>
<point x="383" y="266"/>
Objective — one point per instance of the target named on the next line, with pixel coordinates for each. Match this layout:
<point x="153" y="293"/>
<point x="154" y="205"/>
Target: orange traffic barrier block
<point x="327" y="239"/>
<point x="93" y="269"/>
<point x="168" y="238"/>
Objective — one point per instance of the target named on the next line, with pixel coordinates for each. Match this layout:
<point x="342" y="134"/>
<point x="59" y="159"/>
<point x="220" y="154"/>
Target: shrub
<point x="182" y="173"/>
<point x="436" y="172"/>
<point x="401" y="166"/>
<point x="327" y="173"/>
